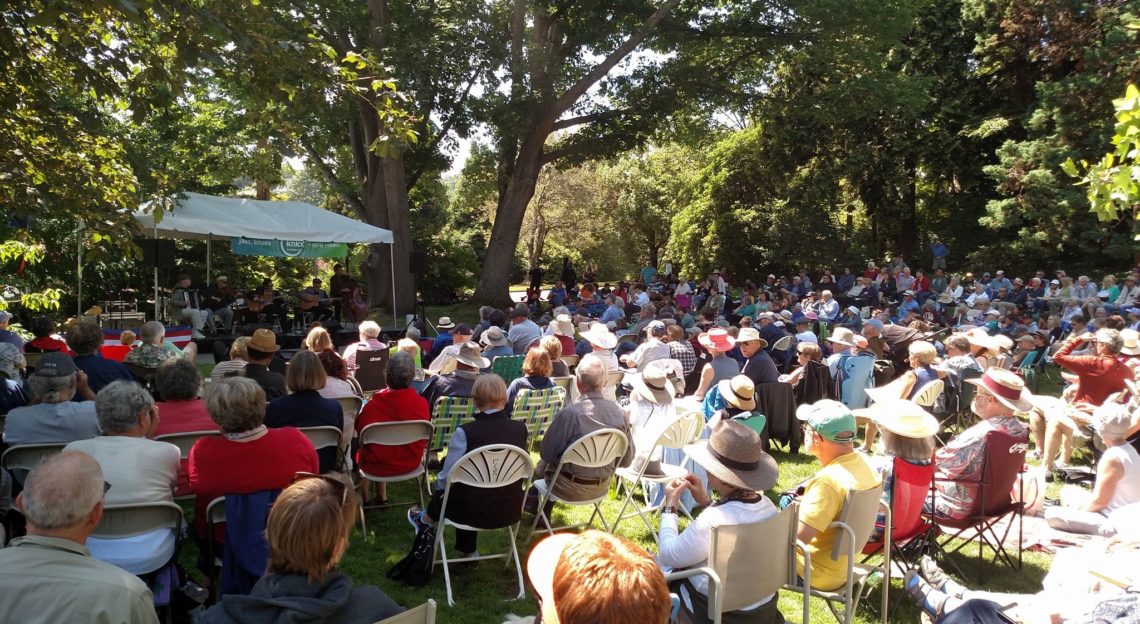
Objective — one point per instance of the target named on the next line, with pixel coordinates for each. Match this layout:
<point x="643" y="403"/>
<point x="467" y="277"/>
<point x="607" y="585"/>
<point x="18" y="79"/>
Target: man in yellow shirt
<point x="829" y="431"/>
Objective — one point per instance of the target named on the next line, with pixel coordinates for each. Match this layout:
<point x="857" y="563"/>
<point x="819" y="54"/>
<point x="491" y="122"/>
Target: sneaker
<point x="922" y="594"/>
<point x="930" y="571"/>
<point x="415" y="518"/>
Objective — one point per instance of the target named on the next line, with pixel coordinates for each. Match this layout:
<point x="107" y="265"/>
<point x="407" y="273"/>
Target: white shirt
<point x="1128" y="488"/>
<point x="691" y="548"/>
<point x="641" y="299"/>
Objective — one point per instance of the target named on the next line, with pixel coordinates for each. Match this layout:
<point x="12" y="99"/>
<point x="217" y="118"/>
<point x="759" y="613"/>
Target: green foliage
<point x="1114" y="180"/>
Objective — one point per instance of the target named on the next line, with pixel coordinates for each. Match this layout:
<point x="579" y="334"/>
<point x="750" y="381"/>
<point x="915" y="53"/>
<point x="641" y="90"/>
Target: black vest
<point x="489" y="508"/>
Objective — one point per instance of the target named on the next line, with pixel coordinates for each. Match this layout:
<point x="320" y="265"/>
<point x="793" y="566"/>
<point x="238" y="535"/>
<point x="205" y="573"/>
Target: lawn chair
<point x="423" y="614"/>
<point x="597" y="449"/>
<point x="446" y="416"/>
<point x="509" y="367"/>
<point x="398" y="433"/>
<point x="487" y="467"/>
<point x="537" y="409"/>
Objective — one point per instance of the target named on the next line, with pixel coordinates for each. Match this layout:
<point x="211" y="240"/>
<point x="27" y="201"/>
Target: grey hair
<point x="910" y="449"/>
<point x="401" y="370"/>
<point x="1110" y="338"/>
<point x="152" y="331"/>
<point x="51" y="389"/>
<point x="369" y="329"/>
<point x="12" y="359"/>
<point x="484" y="312"/>
<point x="413" y="333"/>
<point x="591" y="373"/>
<point x="177" y="379"/>
<point x="61" y="492"/>
<point x="236" y="403"/>
<point x="119" y="405"/>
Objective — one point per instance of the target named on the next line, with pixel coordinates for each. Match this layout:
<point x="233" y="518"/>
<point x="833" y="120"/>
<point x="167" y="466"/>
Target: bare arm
<point x="706" y="382"/>
<point x="806" y="534"/>
<point x="1108" y="476"/>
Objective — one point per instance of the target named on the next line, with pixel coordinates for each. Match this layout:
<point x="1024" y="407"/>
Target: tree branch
<point x="412" y="179"/>
<point x="330" y="177"/>
<point x="570" y="122"/>
<point x="600" y="70"/>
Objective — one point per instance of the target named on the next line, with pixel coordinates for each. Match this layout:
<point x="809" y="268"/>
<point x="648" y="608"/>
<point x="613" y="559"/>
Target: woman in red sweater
<point x="248" y="457"/>
<point x="396" y="402"/>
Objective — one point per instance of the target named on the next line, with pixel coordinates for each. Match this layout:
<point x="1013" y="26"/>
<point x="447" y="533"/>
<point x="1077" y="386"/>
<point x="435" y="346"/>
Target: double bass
<point x="355" y="309"/>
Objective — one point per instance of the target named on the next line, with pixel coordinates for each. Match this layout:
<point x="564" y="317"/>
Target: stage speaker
<point x="157" y="252"/>
<point x="417" y="261"/>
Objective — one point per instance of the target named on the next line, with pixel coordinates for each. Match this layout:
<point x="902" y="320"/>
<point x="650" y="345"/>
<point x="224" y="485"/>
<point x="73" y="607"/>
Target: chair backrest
<point x="595" y="449"/>
<point x="492" y="466"/>
<point x="449" y="413"/>
<point x="130" y="520"/>
<point x="628" y="338"/>
<point x="566" y="383"/>
<point x="753" y="560"/>
<point x="910" y="490"/>
<point x="216" y="512"/>
<point x="28" y="456"/>
<point x="782" y="344"/>
<point x="370" y="364"/>
<point x="571" y="360"/>
<point x="1027" y="361"/>
<point x="537" y="407"/>
<point x="145" y="374"/>
<point x="322" y="437"/>
<point x="685" y="430"/>
<point x="858" y="374"/>
<point x="423" y="614"/>
<point x="350" y="406"/>
<point x="859" y="511"/>
<point x="966" y="390"/>
<point x="33" y="359"/>
<point x="614" y="378"/>
<point x="1004" y="456"/>
<point x="929" y="393"/>
<point x="396" y="433"/>
<point x="185" y="441"/>
<point x="509" y="367"/>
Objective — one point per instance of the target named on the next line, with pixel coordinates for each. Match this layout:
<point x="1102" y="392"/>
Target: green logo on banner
<point x="276" y="248"/>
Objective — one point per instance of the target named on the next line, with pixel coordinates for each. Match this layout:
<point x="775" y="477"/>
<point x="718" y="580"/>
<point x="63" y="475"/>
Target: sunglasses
<point x="338" y="486"/>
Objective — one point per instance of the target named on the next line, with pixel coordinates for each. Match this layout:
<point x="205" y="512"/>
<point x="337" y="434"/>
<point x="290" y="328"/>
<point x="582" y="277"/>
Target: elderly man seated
<point x="652" y="349"/>
<point x="86" y="339"/>
<point x="1098" y="376"/>
<point x="154" y="350"/>
<point x="53" y="416"/>
<point x="49" y="576"/>
<point x="369" y="333"/>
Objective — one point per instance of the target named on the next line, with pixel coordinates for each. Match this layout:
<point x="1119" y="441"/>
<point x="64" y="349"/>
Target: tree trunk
<point x="495" y="278"/>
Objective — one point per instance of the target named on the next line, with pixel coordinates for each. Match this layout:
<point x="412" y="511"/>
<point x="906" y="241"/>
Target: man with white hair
<point x="828" y="307"/>
<point x="53" y="416"/>
<point x="49" y="575"/>
<point x="369" y="333"/>
<point x="154" y="350"/>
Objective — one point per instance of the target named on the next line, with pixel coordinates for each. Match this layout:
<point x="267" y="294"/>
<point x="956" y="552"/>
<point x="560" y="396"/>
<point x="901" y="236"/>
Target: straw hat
<point x="1006" y="387"/>
<point x="653" y="383"/>
<point x="717" y="339"/>
<point x="563" y="326"/>
<point x="600" y="336"/>
<point x="494" y="337"/>
<point x="734" y="454"/>
<point x="945" y="298"/>
<point x="1003" y="342"/>
<point x="1131" y="339"/>
<point x="983" y="340"/>
<point x="739" y="392"/>
<point x="264" y="340"/>
<point x="747" y="334"/>
<point x="843" y="336"/>
<point x="445" y="322"/>
<point x="470" y="354"/>
<point x="901" y="417"/>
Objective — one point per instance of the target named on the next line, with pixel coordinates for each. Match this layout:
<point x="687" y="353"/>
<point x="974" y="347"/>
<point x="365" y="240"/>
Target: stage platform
<point x="290" y="342"/>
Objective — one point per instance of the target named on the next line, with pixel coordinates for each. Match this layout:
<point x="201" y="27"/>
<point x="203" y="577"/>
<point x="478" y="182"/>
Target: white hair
<point x="61" y="492"/>
<point x="591" y="373"/>
<point x="369" y="329"/>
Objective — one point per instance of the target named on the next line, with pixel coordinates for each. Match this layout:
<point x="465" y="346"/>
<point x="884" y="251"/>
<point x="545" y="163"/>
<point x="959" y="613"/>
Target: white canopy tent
<point x="207" y="217"/>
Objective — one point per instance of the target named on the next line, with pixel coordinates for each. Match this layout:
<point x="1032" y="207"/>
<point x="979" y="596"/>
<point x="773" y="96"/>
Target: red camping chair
<point x="1004" y="460"/>
<point x="911" y="487"/>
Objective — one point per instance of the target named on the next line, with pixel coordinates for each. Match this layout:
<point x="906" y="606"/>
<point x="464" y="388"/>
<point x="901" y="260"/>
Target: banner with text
<point x="286" y="249"/>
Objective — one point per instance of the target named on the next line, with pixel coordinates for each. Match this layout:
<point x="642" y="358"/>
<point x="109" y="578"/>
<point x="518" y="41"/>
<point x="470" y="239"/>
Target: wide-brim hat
<point x="445" y="322"/>
<point x="843" y="336"/>
<point x="494" y="337"/>
<point x="717" y="339"/>
<point x="983" y="340"/>
<point x="1131" y="342"/>
<point x="470" y="354"/>
<point x="600" y="336"/>
<point x="264" y="340"/>
<point x="747" y="334"/>
<point x="738" y="391"/>
<point x="945" y="298"/>
<point x="901" y="417"/>
<point x="1006" y="387"/>
<point x="734" y="454"/>
<point x="563" y="325"/>
<point x="659" y="381"/>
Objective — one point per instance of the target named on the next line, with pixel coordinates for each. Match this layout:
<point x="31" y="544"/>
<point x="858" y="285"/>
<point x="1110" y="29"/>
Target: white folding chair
<point x="323" y="437"/>
<point x="929" y="393"/>
<point x="122" y="521"/>
<point x="571" y="361"/>
<point x="855" y="524"/>
<point x="423" y="614"/>
<point x="748" y="562"/>
<point x="22" y="458"/>
<point x="487" y="467"/>
<point x="567" y="384"/>
<point x="597" y="449"/>
<point x="185" y="441"/>
<point x="537" y="408"/>
<point x="350" y="407"/>
<point x="685" y="430"/>
<point x="399" y="433"/>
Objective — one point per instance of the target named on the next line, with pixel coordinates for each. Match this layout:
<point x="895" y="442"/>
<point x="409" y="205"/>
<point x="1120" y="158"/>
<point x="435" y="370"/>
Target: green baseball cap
<point x="830" y="419"/>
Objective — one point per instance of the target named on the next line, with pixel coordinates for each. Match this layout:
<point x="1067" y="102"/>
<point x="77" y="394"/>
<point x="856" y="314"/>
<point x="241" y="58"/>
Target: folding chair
<point x="567" y="384"/>
<point x="350" y="407"/>
<point x="32" y="360"/>
<point x="509" y="367"/>
<point x="537" y="408"/>
<point x="369" y="374"/>
<point x="487" y="467"/>
<point x="854" y="526"/>
<point x="423" y="614"/>
<point x="121" y="521"/>
<point x="446" y="416"/>
<point x="597" y="449"/>
<point x="627" y="338"/>
<point x="911" y="487"/>
<point x="571" y="361"/>
<point x="185" y="441"/>
<point x="929" y="393"/>
<point x="747" y="562"/>
<point x="1003" y="461"/>
<point x="324" y="437"/>
<point x="144" y="374"/>
<point x="685" y="430"/>
<point x="215" y="515"/>
<point x="22" y="458"/>
<point x="399" y="433"/>
<point x="1027" y="368"/>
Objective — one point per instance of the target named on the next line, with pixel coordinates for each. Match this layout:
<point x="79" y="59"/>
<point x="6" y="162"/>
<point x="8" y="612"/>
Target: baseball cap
<point x="55" y="364"/>
<point x="5" y="316"/>
<point x="832" y="420"/>
<point x="464" y="329"/>
<point x="876" y="323"/>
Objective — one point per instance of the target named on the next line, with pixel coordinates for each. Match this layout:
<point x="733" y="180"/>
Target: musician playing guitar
<point x="312" y="300"/>
<point x="219" y="301"/>
<point x="266" y="302"/>
<point x="341" y="286"/>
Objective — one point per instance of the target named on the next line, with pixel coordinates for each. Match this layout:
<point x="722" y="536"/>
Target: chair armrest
<point x="716" y="598"/>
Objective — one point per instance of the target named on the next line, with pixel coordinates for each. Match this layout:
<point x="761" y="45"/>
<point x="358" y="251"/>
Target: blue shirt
<point x="647" y="274"/>
<point x="939" y="250"/>
<point x="612" y="313"/>
<point x="8" y="336"/>
<point x="437" y="345"/>
<point x="101" y="371"/>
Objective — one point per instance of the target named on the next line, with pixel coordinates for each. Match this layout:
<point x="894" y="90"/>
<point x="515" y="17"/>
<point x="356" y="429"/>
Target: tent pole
<point x="208" y="274"/>
<point x="79" y="269"/>
<point x="392" y="261"/>
<point x="156" y="315"/>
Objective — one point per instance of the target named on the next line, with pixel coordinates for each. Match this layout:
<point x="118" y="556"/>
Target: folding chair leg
<point x="515" y="556"/>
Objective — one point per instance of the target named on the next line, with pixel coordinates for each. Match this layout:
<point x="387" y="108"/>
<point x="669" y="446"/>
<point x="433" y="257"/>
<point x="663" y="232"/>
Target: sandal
<point x="932" y="573"/>
<point x="923" y="595"/>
